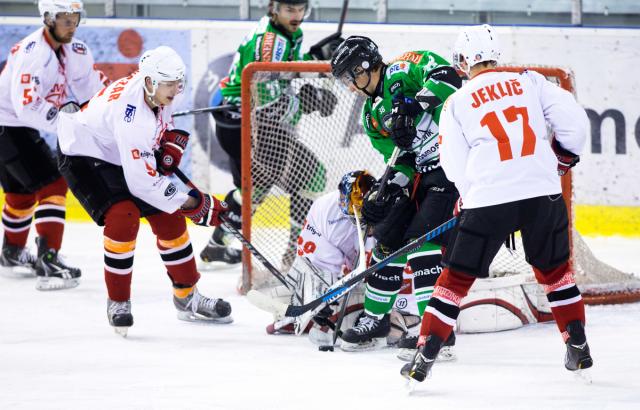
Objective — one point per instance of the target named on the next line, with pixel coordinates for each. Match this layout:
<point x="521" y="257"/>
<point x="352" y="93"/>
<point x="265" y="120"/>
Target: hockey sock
<point x="16" y="218"/>
<point x="563" y="295"/>
<point x="175" y="248"/>
<point x="425" y="264"/>
<point x="121" y="224"/>
<point x="51" y="212"/>
<point x="182" y="292"/>
<point x="383" y="286"/>
<point x="442" y="311"/>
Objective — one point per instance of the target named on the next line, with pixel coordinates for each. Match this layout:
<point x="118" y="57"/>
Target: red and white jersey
<point x="329" y="238"/>
<point x="118" y="126"/>
<point x="35" y="82"/>
<point x="493" y="137"/>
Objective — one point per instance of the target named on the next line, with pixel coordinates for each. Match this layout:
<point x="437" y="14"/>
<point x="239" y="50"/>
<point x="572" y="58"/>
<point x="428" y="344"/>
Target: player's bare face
<point x="65" y="26"/>
<point x="290" y="16"/>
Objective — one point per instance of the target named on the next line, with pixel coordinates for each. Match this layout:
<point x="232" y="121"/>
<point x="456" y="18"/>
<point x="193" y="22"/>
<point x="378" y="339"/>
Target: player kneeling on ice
<point x="116" y="155"/>
<point x="506" y="186"/>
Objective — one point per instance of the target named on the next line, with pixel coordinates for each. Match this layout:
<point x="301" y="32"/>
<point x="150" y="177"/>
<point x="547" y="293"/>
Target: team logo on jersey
<point x="129" y="113"/>
<point x="394" y="87"/>
<point x="79" y="48"/>
<point x="51" y="114"/>
<point x="401" y="66"/>
<point x="29" y="47"/>
<point x="170" y="191"/>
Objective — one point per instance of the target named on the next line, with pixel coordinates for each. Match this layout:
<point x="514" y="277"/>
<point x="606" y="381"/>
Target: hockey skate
<point x="218" y="250"/>
<point x="17" y="262"/>
<point x="407" y="346"/>
<point x="420" y="367"/>
<point x="369" y="333"/>
<point x="51" y="270"/>
<point x="120" y="317"/>
<point x="578" y="356"/>
<point x="198" y="308"/>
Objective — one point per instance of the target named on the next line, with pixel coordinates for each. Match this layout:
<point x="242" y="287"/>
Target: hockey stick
<point x="275" y="272"/>
<point x="338" y="289"/>
<point x="343" y="16"/>
<point x="204" y="110"/>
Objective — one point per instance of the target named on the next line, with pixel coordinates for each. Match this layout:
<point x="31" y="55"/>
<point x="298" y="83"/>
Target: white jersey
<point x="118" y="126"/>
<point x="493" y="137"/>
<point x="329" y="238"/>
<point x="35" y="81"/>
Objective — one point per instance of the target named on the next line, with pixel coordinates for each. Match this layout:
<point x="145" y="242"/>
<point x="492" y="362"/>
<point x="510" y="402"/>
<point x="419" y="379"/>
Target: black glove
<point x="447" y="75"/>
<point x="317" y="99"/>
<point x="566" y="159"/>
<point x="403" y="129"/>
<point x="375" y="209"/>
<point x="323" y="49"/>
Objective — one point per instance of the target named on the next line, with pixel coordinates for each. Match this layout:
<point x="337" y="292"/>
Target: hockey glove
<point x="208" y="211"/>
<point x="403" y="130"/>
<point x="442" y="75"/>
<point x="323" y="49"/>
<point x="172" y="146"/>
<point x="566" y="159"/>
<point x="375" y="209"/>
<point x="317" y="99"/>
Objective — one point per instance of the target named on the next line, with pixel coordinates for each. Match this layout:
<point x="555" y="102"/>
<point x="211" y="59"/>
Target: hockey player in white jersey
<point x="116" y="154"/>
<point x="494" y="147"/>
<point x="47" y="71"/>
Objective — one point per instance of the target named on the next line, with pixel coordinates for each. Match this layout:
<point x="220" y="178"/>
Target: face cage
<point x="307" y="10"/>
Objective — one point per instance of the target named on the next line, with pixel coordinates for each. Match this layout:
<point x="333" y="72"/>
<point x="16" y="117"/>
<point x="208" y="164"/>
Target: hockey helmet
<point x="162" y="64"/>
<point x="476" y="44"/>
<point x="50" y="8"/>
<point x="356" y="55"/>
<point x="353" y="187"/>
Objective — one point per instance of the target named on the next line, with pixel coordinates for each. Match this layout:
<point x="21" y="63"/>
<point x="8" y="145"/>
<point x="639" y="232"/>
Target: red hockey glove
<point x="208" y="211"/>
<point x="566" y="159"/>
<point x="172" y="146"/>
<point x="457" y="207"/>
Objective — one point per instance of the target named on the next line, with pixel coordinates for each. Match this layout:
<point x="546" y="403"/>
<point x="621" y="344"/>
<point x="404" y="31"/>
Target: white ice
<point x="57" y="351"/>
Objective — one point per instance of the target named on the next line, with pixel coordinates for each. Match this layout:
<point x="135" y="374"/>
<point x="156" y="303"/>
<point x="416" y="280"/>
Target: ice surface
<point x="57" y="351"/>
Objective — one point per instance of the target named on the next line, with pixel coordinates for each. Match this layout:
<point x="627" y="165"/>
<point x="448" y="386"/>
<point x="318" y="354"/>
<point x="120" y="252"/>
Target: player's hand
<point x="323" y="49"/>
<point x="317" y="99"/>
<point x="172" y="146"/>
<point x="403" y="113"/>
<point x="208" y="211"/>
<point x="566" y="159"/>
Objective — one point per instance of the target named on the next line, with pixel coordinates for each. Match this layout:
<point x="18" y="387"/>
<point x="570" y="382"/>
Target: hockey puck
<point x="325" y="348"/>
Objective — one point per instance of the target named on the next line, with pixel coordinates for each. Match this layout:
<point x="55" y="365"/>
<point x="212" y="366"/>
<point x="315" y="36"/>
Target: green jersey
<point x="265" y="43"/>
<point x="406" y="76"/>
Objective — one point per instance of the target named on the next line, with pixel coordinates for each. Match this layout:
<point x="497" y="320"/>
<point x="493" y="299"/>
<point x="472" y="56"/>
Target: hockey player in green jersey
<point x="402" y="110"/>
<point x="276" y="38"/>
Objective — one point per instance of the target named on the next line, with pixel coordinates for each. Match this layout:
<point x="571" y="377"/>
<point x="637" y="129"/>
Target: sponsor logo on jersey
<point x="401" y="66"/>
<point x="367" y="119"/>
<point x="129" y="113"/>
<point x="170" y="191"/>
<point x="278" y="50"/>
<point x="401" y="303"/>
<point x="394" y="87"/>
<point x="409" y="56"/>
<point x="267" y="46"/>
<point x="339" y="219"/>
<point x="25" y="78"/>
<point x="150" y="170"/>
<point x="137" y="154"/>
<point x="79" y="48"/>
<point x="313" y="230"/>
<point x="29" y="47"/>
<point x="51" y="114"/>
<point x="15" y="48"/>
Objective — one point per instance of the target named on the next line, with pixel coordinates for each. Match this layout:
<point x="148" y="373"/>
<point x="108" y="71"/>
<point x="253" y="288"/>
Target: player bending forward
<point x="116" y="154"/>
<point x="494" y="148"/>
<point x="46" y="71"/>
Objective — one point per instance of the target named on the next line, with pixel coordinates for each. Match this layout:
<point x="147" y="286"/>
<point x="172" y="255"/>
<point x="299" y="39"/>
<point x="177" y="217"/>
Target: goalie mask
<point x="353" y="187"/>
<point x="162" y="65"/>
<point x="356" y="56"/>
<point x="475" y="44"/>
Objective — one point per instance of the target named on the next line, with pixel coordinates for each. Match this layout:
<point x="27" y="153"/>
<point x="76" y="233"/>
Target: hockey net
<point x="293" y="154"/>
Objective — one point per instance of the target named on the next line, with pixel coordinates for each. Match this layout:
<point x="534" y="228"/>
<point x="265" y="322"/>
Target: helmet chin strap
<point x="364" y="89"/>
<point x="150" y="94"/>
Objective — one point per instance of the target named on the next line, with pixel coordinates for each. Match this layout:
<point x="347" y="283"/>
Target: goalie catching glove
<point x="208" y="211"/>
<point x="169" y="153"/>
<point x="317" y="99"/>
<point x="566" y="159"/>
<point x="403" y="114"/>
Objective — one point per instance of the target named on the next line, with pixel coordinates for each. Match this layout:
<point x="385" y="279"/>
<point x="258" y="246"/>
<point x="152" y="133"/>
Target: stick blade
<point x="268" y="304"/>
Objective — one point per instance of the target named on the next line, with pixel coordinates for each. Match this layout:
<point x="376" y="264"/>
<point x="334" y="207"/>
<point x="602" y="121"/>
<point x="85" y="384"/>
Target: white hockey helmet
<point x="162" y="64"/>
<point x="50" y="8"/>
<point x="474" y="45"/>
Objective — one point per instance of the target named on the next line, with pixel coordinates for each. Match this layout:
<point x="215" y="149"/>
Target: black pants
<point x="229" y="135"/>
<point x="543" y="223"/>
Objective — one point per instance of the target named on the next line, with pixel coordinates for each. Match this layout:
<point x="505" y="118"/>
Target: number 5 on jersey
<point x="492" y="122"/>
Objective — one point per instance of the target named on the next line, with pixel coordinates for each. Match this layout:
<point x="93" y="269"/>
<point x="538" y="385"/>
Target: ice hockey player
<point x="277" y="37"/>
<point x="418" y="197"/>
<point x="116" y="154"/>
<point x="494" y="147"/>
<point x="47" y="70"/>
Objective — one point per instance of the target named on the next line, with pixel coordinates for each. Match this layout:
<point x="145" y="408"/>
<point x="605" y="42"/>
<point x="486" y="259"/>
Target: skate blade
<point x="583" y="375"/>
<point x="121" y="330"/>
<point x="375" y="344"/>
<point x="17" y="272"/>
<point x="46" y="283"/>
<point x="190" y="317"/>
